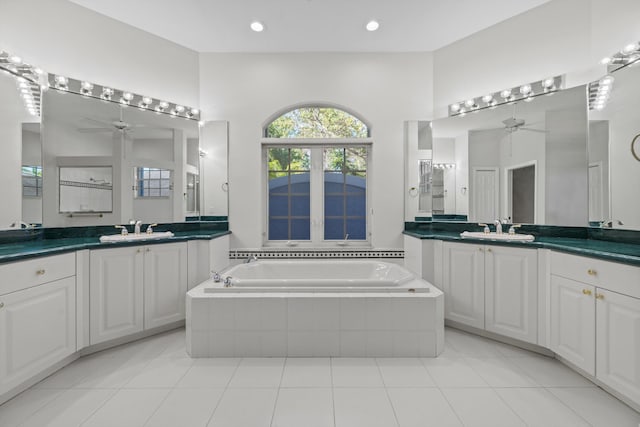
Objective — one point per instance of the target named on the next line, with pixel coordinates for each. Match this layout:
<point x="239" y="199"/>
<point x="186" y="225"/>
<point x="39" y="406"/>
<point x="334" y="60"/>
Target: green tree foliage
<point x="352" y="161"/>
<point x="317" y="122"/>
<point x="282" y="160"/>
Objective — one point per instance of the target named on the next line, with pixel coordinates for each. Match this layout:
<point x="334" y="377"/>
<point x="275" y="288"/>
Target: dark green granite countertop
<point x="59" y="241"/>
<point x="625" y="250"/>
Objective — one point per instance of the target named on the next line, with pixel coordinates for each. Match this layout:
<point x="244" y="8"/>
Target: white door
<point x="115" y="287"/>
<point x="484" y="195"/>
<point x="618" y="338"/>
<point x="463" y="283"/>
<point x="573" y="318"/>
<point x="165" y="283"/>
<point x="37" y="329"/>
<point x="511" y="292"/>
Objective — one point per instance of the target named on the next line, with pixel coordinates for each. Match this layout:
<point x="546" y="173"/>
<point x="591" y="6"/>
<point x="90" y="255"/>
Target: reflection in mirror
<point x="524" y="162"/>
<point x="135" y="144"/>
<point x="214" y="185"/>
<point x="614" y="172"/>
<point x="418" y="169"/>
<point x="21" y="200"/>
<point x="86" y="190"/>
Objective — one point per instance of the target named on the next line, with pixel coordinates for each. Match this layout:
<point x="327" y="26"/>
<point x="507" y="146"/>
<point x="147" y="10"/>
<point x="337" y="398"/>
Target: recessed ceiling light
<point x="372" y="25"/>
<point x="257" y="26"/>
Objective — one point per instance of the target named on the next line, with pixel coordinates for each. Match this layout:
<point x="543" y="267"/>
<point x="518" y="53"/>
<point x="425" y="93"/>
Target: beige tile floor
<point x="475" y="382"/>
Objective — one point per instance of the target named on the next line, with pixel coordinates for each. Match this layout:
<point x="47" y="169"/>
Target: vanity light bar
<point x="28" y="78"/>
<point x="122" y="97"/>
<point x="444" y="165"/>
<point x="626" y="56"/>
<point x="599" y="92"/>
<point x="525" y="92"/>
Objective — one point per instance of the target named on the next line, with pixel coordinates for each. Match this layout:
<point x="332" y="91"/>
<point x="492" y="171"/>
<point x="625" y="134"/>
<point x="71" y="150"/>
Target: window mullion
<point x="317" y="194"/>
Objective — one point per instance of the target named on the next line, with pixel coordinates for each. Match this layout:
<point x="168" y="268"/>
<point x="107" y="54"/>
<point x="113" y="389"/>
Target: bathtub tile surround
<point x="279" y="308"/>
<point x="328" y="392"/>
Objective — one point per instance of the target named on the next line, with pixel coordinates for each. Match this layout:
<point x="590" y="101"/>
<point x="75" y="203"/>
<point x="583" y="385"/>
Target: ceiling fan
<point x="513" y="124"/>
<point x="116" y="125"/>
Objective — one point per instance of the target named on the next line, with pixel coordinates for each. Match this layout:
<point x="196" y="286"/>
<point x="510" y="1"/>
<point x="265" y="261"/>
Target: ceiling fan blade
<point x="100" y="122"/>
<point x="95" y="130"/>
<point x="535" y="130"/>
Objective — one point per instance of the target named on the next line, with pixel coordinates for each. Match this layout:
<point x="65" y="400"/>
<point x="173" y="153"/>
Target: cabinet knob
<point x="600" y="296"/>
<point x="586" y="291"/>
<point x="488" y="249"/>
<point x="480" y="249"/>
<point x="591" y="272"/>
<point x="138" y="251"/>
<point x="1" y="304"/>
<point x="40" y="272"/>
<point x="148" y="250"/>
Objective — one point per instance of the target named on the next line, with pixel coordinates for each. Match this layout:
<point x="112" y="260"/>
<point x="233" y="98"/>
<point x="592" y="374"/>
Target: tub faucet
<point x="216" y="276"/>
<point x="251" y="258"/>
<point x="498" y="226"/>
<point x="227" y="282"/>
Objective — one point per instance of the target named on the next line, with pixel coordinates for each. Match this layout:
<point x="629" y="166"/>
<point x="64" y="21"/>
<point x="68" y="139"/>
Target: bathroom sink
<point x="114" y="238"/>
<point x="495" y="236"/>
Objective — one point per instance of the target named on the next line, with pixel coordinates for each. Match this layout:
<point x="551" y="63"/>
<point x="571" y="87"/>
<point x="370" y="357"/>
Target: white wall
<point x="559" y="37"/>
<point x="64" y="38"/>
<point x="384" y="89"/>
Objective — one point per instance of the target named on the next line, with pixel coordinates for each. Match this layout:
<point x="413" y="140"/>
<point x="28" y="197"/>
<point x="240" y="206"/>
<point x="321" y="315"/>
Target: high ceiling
<point x="311" y="25"/>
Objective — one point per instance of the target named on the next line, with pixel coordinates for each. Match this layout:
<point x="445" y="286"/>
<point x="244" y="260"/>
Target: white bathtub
<point x="327" y="308"/>
<point x="318" y="277"/>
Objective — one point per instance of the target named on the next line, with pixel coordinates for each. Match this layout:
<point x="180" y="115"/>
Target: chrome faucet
<point x="609" y="223"/>
<point x="227" y="282"/>
<point x="150" y="228"/>
<point x="137" y="226"/>
<point x="251" y="258"/>
<point x="216" y="276"/>
<point x="498" y="226"/>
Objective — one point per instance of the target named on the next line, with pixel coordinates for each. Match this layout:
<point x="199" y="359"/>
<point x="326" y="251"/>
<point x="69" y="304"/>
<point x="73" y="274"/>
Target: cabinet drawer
<point x="25" y="274"/>
<point x="616" y="277"/>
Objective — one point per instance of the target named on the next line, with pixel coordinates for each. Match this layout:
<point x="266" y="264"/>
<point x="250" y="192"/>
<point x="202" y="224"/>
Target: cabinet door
<point x="511" y="292"/>
<point x="573" y="322"/>
<point x="463" y="283"/>
<point x="115" y="286"/>
<point x="37" y="329"/>
<point x="165" y="283"/>
<point x="618" y="338"/>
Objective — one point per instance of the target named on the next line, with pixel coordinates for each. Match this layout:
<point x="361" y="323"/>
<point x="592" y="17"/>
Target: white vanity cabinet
<point x="37" y="317"/>
<point x="492" y="288"/>
<point x="136" y="288"/>
<point x="572" y="322"/>
<point x="595" y="319"/>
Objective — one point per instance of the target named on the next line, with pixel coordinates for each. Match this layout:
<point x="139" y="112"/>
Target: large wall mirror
<point x="106" y="163"/>
<point x="614" y="169"/>
<point x="525" y="162"/>
<point x="20" y="135"/>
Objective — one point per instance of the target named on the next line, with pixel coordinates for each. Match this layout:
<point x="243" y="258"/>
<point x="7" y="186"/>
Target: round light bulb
<point x="630" y="48"/>
<point x="147" y="100"/>
<point x="163" y="104"/>
<point x="487" y="99"/>
<point x="195" y="111"/>
<point x="506" y="93"/>
<point x="606" y="80"/>
<point x="15" y="59"/>
<point x="61" y="80"/>
<point x="606" y="60"/>
<point x="525" y="89"/>
<point x="257" y="26"/>
<point x="548" y="83"/>
<point x="372" y="25"/>
<point x="128" y="96"/>
<point x="179" y="108"/>
<point x="469" y="103"/>
<point x="86" y="85"/>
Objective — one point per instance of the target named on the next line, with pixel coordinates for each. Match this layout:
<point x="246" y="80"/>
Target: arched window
<point x="316" y="122"/>
<point x="316" y="161"/>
